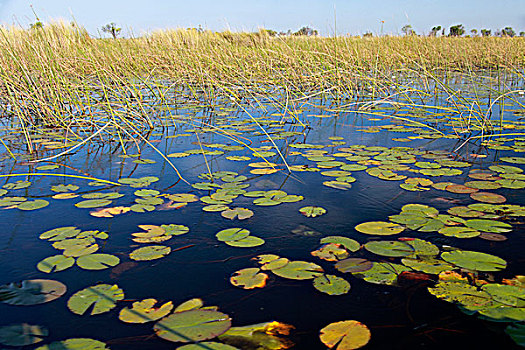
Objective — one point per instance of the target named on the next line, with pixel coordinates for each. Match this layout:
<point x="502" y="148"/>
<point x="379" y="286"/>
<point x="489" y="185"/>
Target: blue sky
<point x="352" y="16"/>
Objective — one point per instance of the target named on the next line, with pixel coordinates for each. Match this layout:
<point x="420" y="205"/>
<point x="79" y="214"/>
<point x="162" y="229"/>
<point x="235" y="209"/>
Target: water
<point x="399" y="317"/>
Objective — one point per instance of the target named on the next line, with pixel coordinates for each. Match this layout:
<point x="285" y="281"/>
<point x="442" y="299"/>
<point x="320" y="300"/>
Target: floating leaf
<point x="353" y="265"/>
<point x="60" y="233"/>
<point x="275" y="264"/>
<point x="312" y="212"/>
<point x="75" y="344"/>
<point x="232" y="234"/>
<point x="516" y="331"/>
<point x="47" y="167"/>
<point x="191" y="304"/>
<point x="331" y="252"/>
<point x="247" y="242"/>
<point x="459" y="232"/>
<point x="492" y="226"/>
<point x="208" y="345"/>
<point x="33" y="205"/>
<point x="67" y="195"/>
<point x="350" y="244"/>
<point x="262" y="336"/>
<point x="474" y="260"/>
<point x="22" y="334"/>
<point x="331" y="285"/>
<point x="487" y="197"/>
<point x="192" y="326"/>
<point x="382" y="273"/>
<point x="99" y="299"/>
<point x="31" y="292"/>
<point x="97" y="261"/>
<point x="237" y="213"/>
<point x="389" y="248"/>
<point x="109" y="212"/>
<point x="345" y="335"/>
<point x="55" y="263"/>
<point x="150" y="253"/>
<point x="145" y="311"/>
<point x="64" y="188"/>
<point x="339" y="185"/>
<point x="93" y="203"/>
<point x="249" y="278"/>
<point x="432" y="266"/>
<point x="381" y="228"/>
<point x="18" y="185"/>
<point x="299" y="270"/>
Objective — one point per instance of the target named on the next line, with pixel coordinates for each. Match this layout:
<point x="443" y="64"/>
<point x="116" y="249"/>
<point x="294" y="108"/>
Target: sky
<point x="353" y="17"/>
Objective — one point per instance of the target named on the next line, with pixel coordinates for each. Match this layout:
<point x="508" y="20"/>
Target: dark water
<point x="399" y="317"/>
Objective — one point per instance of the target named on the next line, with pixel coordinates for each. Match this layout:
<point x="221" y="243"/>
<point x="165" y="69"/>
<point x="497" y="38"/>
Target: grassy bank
<point x="59" y="75"/>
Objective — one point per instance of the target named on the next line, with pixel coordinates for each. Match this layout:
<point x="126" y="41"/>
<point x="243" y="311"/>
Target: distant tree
<point x="474" y="32"/>
<point x="112" y="29"/>
<point x="457" y="30"/>
<point x="486" y="32"/>
<point x="306" y="31"/>
<point x="435" y="30"/>
<point x="368" y="35"/>
<point x="407" y="30"/>
<point x="508" y="31"/>
<point x="522" y="34"/>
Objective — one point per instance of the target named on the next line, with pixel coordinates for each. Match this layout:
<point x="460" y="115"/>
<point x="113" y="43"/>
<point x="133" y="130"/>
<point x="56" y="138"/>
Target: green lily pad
<point x="22" y="334"/>
<point x="331" y="285"/>
<point x="431" y="266"/>
<point x="338" y="185"/>
<point x="382" y="273"/>
<point x="312" y="212"/>
<point x="299" y="270"/>
<point x="192" y="326"/>
<point x="55" y="263"/>
<point x="237" y="213"/>
<point x="249" y="278"/>
<point x="192" y="304"/>
<point x="93" y="203"/>
<point x="474" y="260"/>
<point x="31" y="292"/>
<point x="208" y="345"/>
<point x="345" y="335"/>
<point x="18" y="185"/>
<point x="150" y="253"/>
<point x="350" y="244"/>
<point x="459" y="232"/>
<point x="389" y="248"/>
<point x="380" y="228"/>
<point x="331" y="252"/>
<point x="97" y="261"/>
<point x="145" y="311"/>
<point x="33" y="205"/>
<point x="247" y="242"/>
<point x="232" y="234"/>
<point x="47" y="167"/>
<point x="75" y="344"/>
<point x="60" y="233"/>
<point x="492" y="226"/>
<point x="352" y="265"/>
<point x="64" y="188"/>
<point x="174" y="229"/>
<point x="98" y="299"/>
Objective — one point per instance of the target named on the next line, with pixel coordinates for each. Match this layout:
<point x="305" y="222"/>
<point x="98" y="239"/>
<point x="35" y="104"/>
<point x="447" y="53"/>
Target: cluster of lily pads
<point x="190" y="322"/>
<point x="155" y="234"/>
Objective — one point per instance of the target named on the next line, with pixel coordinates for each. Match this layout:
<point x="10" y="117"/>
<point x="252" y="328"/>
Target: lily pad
<point x="380" y="228"/>
<point x="237" y="213"/>
<point x="150" y="253"/>
<point x="491" y="226"/>
<point x="31" y="292"/>
<point x="488" y="197"/>
<point x="22" y="334"/>
<point x="97" y="261"/>
<point x="474" y="260"/>
<point x="345" y="335"/>
<point x="247" y="242"/>
<point x="299" y="270"/>
<point x="93" y="203"/>
<point x="192" y="326"/>
<point x="331" y="285"/>
<point x="353" y="265"/>
<point x="145" y="311"/>
<point x="312" y="212"/>
<point x="98" y="299"/>
<point x="55" y="263"/>
<point x="249" y="278"/>
<point x="208" y="345"/>
<point x="33" y="205"/>
<point x="382" y="273"/>
<point x="389" y="248"/>
<point x="232" y="234"/>
<point x="349" y="243"/>
<point x="75" y="344"/>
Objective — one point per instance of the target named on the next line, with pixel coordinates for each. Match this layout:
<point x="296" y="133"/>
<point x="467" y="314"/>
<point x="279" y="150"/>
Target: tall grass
<point x="61" y="76"/>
